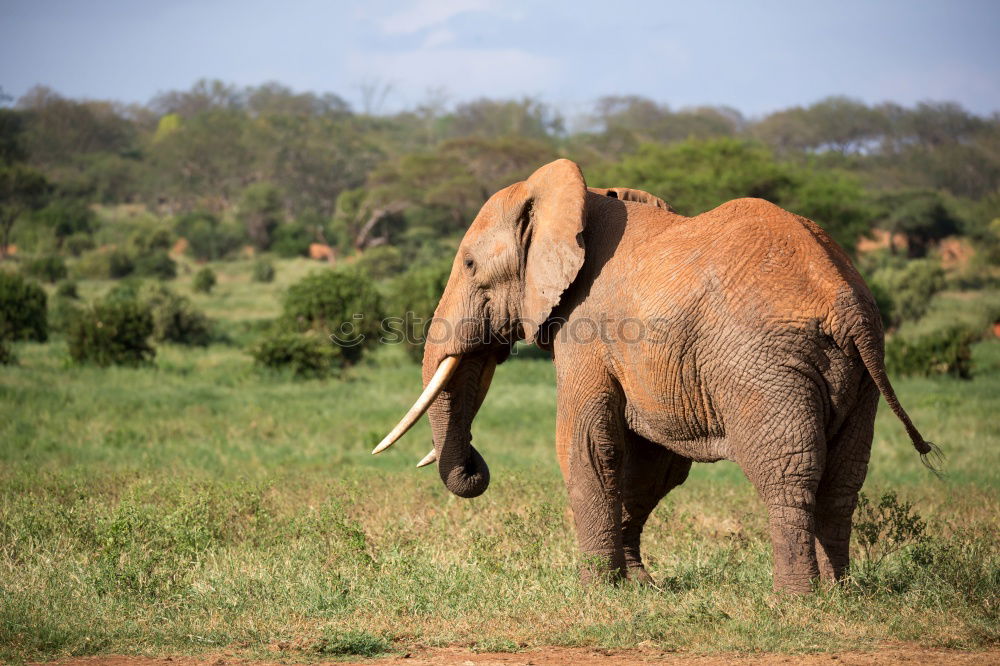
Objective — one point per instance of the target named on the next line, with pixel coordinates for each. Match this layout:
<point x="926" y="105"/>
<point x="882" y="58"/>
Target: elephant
<point x="743" y="334"/>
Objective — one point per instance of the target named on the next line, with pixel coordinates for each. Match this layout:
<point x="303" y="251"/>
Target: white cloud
<point x="438" y="37"/>
<point x="428" y="13"/>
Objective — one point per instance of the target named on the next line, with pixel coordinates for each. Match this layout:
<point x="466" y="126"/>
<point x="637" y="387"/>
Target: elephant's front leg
<point x="590" y="433"/>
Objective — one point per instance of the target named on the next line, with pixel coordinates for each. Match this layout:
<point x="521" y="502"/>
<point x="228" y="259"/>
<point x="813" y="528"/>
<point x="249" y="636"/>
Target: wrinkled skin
<point x="742" y="334"/>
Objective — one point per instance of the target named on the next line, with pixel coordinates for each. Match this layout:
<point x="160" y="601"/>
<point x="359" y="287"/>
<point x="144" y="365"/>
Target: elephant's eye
<point x="469" y="263"/>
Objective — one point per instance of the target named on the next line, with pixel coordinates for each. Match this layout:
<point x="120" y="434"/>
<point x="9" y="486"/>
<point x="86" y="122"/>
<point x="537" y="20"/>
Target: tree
<point x="21" y="189"/>
<point x="696" y="176"/>
<point x="923" y="216"/>
<point x="839" y="124"/>
<point x="260" y="213"/>
<point x="489" y="118"/>
<point x="12" y="137"/>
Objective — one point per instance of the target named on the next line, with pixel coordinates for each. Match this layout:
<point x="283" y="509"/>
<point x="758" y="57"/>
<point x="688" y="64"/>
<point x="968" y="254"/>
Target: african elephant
<point x="741" y="334"/>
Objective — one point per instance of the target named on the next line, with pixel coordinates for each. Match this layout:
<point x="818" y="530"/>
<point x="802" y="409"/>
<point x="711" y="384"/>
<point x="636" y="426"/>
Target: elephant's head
<point x="523" y="250"/>
<point x="520" y="254"/>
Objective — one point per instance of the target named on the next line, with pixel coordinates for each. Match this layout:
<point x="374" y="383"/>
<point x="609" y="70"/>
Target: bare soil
<point x="581" y="657"/>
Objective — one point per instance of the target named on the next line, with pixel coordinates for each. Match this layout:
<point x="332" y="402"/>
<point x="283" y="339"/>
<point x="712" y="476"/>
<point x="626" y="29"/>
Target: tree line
<point x="274" y="168"/>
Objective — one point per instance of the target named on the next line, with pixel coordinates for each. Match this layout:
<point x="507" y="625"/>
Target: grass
<point x="198" y="505"/>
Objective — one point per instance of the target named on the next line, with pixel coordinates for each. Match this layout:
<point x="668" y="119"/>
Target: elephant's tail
<point x="871" y="348"/>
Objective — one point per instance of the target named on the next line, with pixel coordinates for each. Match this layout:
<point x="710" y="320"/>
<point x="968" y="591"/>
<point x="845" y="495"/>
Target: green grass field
<point x="199" y="505"/>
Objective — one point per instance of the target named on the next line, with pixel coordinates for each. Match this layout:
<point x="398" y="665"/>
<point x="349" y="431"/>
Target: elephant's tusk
<point x="484" y="386"/>
<point x="434" y="387"/>
<point x="428" y="459"/>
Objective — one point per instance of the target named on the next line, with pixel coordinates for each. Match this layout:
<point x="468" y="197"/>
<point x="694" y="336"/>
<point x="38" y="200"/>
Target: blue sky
<point x="754" y="56"/>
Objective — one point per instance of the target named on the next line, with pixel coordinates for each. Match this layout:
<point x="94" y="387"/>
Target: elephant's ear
<point x="554" y="226"/>
<point x="629" y="194"/>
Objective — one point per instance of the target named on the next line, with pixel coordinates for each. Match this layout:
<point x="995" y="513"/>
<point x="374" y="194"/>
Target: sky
<point x="755" y="56"/>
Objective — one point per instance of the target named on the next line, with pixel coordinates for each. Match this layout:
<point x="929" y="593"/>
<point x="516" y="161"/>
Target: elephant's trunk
<point x="462" y="469"/>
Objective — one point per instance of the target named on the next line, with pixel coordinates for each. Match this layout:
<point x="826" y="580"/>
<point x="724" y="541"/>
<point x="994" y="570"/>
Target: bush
<point x="263" y="271"/>
<point x="909" y="288"/>
<point x="204" y="280"/>
<point x="120" y="264"/>
<point x="7" y="356"/>
<point x="174" y="318"/>
<point x="67" y="289"/>
<point x="62" y="312"/>
<point x="78" y="243"/>
<point x="415" y="295"/>
<point x="304" y="354"/>
<point x="67" y="217"/>
<point x="105" y="264"/>
<point x="149" y="242"/>
<point x="113" y="331"/>
<point x="50" y="268"/>
<point x="157" y="264"/>
<point x="260" y="212"/>
<point x="887" y="527"/>
<point x="208" y="238"/>
<point x="292" y="240"/>
<point x="338" y="304"/>
<point x="944" y="352"/>
<point x="23" y="313"/>
<point x="382" y="262"/>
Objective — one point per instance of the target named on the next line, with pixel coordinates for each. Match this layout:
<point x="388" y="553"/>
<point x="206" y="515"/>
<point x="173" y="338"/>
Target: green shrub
<point x="67" y="289"/>
<point x="125" y="290"/>
<point x="204" y="280"/>
<point x="120" y="264"/>
<point x="341" y="305"/>
<point x="292" y="240"/>
<point x="157" y="264"/>
<point x="104" y="264"/>
<point x="887" y="527"/>
<point x="414" y="296"/>
<point x="67" y="217"/>
<point x="261" y="211"/>
<point x="307" y="354"/>
<point x="944" y="352"/>
<point x="112" y="331"/>
<point x="263" y="271"/>
<point x="382" y="261"/>
<point x="174" y="318"/>
<point x="7" y="356"/>
<point x="50" y="268"/>
<point x="23" y="313"/>
<point x="909" y="289"/>
<point x="78" y="243"/>
<point x="62" y="311"/>
<point x="207" y="237"/>
<point x="149" y="242"/>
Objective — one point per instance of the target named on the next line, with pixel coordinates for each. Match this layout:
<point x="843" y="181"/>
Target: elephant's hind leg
<point x="650" y="472"/>
<point x="783" y="455"/>
<point x="837" y="495"/>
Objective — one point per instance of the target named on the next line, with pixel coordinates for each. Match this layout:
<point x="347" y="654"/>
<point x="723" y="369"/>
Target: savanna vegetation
<point x="188" y="407"/>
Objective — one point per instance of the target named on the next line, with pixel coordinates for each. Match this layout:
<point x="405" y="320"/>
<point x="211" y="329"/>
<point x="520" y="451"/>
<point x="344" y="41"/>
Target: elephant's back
<point x="777" y="264"/>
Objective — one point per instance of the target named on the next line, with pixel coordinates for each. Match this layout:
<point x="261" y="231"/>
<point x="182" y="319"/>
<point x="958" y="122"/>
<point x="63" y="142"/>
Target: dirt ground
<point x="582" y="657"/>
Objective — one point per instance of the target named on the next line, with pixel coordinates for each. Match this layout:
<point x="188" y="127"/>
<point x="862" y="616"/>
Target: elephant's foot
<point x="637" y="574"/>
<point x="607" y="569"/>
<point x="795" y="566"/>
<point x="832" y="561"/>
